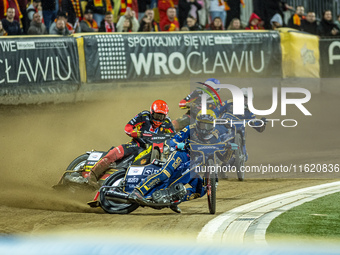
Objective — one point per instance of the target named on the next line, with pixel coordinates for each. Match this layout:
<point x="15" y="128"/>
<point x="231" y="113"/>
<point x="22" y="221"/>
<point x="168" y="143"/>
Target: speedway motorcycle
<point x="113" y="196"/>
<point x="75" y="176"/>
<point x="233" y="130"/>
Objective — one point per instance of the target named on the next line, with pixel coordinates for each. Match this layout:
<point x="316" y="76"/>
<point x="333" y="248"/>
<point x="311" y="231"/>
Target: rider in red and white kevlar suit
<point x="153" y="121"/>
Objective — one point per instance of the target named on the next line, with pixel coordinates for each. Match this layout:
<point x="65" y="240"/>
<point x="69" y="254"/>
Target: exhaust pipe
<point x="117" y="197"/>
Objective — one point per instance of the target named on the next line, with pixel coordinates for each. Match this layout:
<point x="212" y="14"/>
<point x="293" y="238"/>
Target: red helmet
<point x="159" y="110"/>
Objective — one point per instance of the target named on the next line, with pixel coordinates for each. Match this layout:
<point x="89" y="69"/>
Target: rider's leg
<point x="196" y="183"/>
<point x="175" y="159"/>
<point x="102" y="165"/>
<point x="196" y="190"/>
<point x="112" y="156"/>
<point x="182" y="122"/>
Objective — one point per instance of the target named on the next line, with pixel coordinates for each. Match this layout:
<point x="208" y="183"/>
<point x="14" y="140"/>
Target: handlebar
<point x="157" y="138"/>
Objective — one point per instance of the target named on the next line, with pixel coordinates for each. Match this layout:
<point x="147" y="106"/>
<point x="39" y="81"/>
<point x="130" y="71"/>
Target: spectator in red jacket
<point x="254" y="22"/>
<point x="163" y="6"/>
<point x="170" y="23"/>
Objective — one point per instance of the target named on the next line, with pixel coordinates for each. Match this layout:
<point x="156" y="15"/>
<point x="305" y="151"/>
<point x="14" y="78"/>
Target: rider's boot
<point x="175" y="208"/>
<point x="103" y="164"/>
<point x="138" y="193"/>
<point x="137" y="196"/>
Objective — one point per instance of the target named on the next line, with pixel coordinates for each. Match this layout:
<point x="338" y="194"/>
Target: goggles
<point x="205" y="126"/>
<point x="158" y="116"/>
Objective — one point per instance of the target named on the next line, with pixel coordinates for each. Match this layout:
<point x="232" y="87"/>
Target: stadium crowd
<point x="65" y="17"/>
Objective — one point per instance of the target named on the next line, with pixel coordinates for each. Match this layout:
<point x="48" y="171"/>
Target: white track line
<point x="248" y="223"/>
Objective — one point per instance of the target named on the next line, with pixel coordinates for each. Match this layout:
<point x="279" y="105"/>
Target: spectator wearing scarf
<point x="295" y="19"/>
<point x="107" y="25"/>
<point x="100" y="8"/>
<point x="88" y="24"/>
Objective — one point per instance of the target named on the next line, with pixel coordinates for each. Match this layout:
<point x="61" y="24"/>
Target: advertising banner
<point x="178" y="55"/>
<point x="27" y="62"/>
<point x="330" y="57"/>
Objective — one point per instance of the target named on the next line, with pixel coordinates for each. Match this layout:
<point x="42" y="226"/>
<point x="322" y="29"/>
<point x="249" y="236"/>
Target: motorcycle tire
<point x="155" y="155"/>
<point x="211" y="189"/>
<point x="239" y="157"/>
<point x="78" y="162"/>
<point x="73" y="180"/>
<point x="110" y="206"/>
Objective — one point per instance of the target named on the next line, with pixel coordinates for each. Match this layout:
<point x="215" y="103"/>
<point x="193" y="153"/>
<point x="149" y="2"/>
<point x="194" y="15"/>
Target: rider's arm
<point x="220" y="109"/>
<point x="189" y="98"/>
<point x="168" y="127"/>
<point x="180" y="137"/>
<point x="135" y="122"/>
<point x="257" y="125"/>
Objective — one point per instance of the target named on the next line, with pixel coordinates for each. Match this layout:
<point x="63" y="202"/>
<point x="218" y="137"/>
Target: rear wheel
<point x="78" y="162"/>
<point x="115" y="207"/>
<point x="73" y="179"/>
<point x="239" y="157"/>
<point x="211" y="189"/>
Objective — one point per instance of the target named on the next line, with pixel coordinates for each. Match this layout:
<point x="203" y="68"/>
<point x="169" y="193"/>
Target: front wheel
<point x="155" y="154"/>
<point x="239" y="157"/>
<point x="211" y="189"/>
<point x="113" y="207"/>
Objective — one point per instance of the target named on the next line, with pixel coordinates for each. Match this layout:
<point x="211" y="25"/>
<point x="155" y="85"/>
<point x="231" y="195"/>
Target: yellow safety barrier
<point x="300" y="54"/>
<point x="82" y="64"/>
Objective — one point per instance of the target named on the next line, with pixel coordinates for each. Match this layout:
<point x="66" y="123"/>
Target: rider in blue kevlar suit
<point x="192" y="102"/>
<point x="177" y="166"/>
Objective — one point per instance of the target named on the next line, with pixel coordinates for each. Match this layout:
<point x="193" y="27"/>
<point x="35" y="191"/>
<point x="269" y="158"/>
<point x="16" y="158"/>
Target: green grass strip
<point x="317" y="218"/>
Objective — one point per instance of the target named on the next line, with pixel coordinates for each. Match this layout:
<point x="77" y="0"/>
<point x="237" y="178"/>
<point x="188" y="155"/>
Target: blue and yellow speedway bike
<point x="113" y="196"/>
<point x="75" y="176"/>
<point x="232" y="128"/>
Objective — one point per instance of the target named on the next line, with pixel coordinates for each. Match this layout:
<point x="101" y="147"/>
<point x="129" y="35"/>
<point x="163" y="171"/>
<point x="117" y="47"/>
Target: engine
<point x="175" y="192"/>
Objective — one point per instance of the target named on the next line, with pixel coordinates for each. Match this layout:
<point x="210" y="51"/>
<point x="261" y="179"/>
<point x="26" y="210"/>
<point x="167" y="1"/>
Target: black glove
<point x="260" y="123"/>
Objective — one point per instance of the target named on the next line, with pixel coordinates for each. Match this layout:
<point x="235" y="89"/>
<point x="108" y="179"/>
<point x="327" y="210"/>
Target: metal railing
<point x="318" y="6"/>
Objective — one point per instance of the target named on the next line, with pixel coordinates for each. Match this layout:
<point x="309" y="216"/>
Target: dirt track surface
<point x="39" y="141"/>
